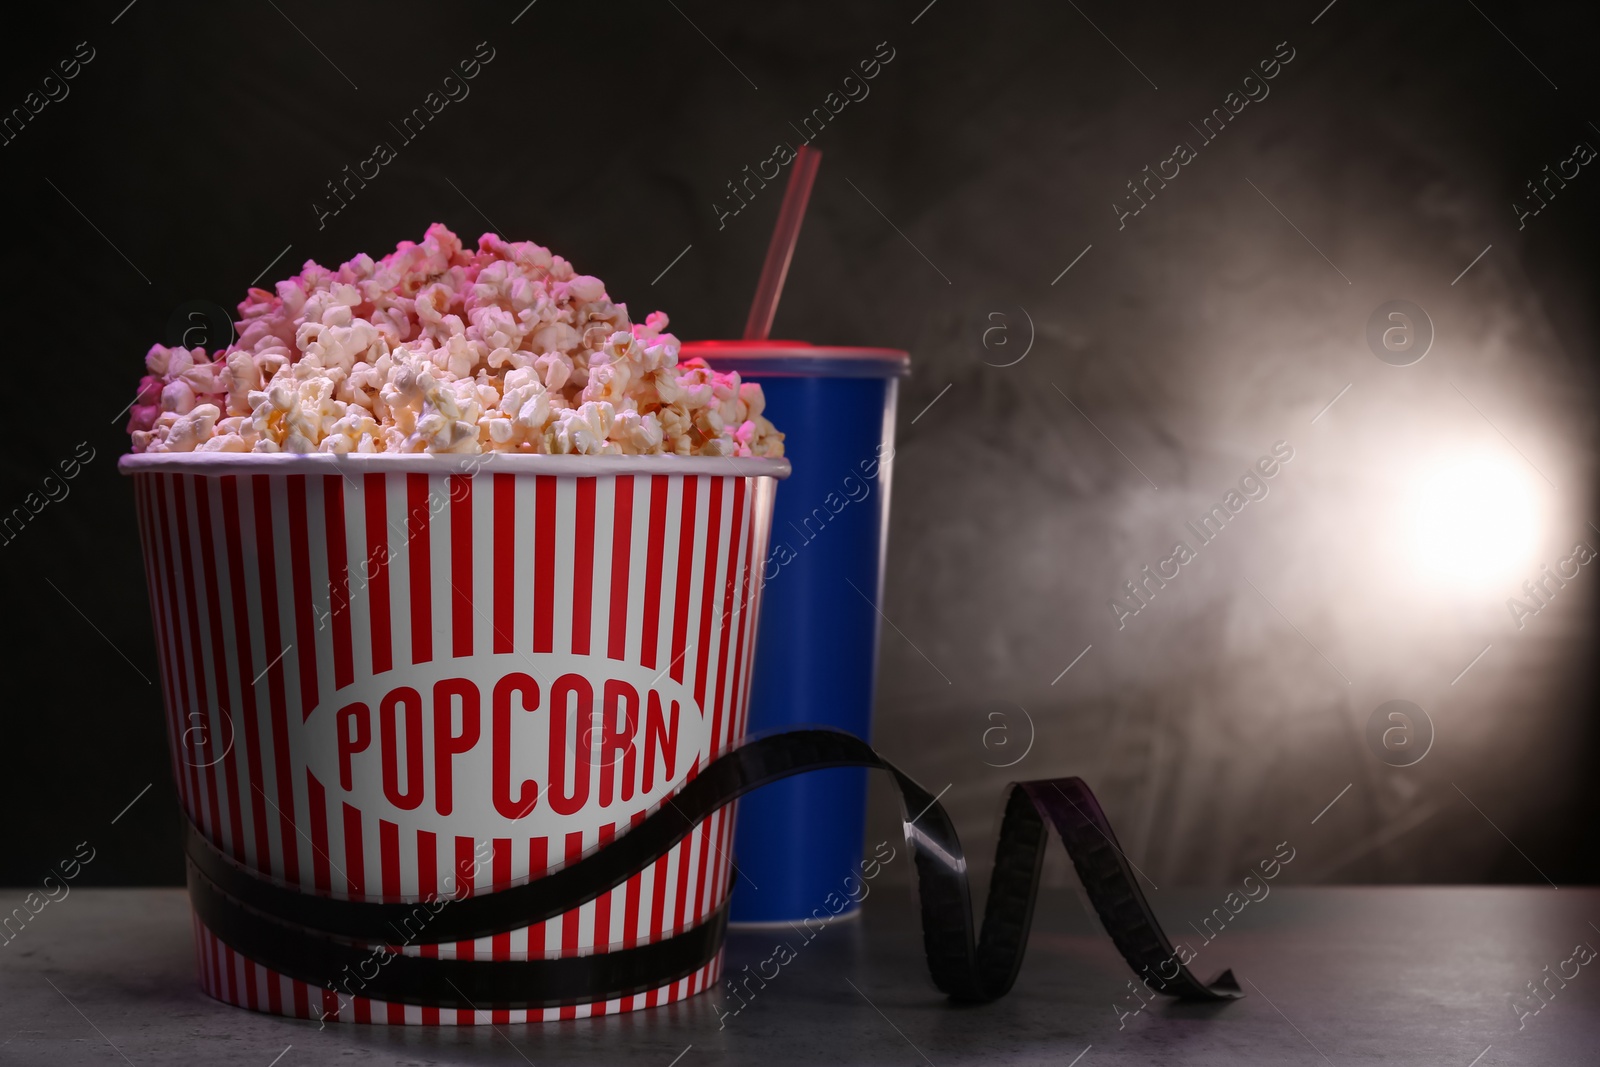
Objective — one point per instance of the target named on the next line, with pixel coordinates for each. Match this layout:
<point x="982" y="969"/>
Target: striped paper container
<point x="360" y="656"/>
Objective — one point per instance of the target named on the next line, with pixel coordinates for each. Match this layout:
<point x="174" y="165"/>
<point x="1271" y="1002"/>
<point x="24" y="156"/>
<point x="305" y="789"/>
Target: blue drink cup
<point x="796" y="841"/>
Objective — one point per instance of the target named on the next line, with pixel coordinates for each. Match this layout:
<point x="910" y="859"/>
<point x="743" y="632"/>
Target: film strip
<point x="317" y="938"/>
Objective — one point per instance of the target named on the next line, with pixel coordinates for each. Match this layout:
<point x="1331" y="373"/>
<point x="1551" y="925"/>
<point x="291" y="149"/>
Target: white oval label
<point x="541" y="743"/>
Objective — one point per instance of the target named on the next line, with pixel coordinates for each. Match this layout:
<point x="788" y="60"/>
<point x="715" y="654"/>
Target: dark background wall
<point x="1222" y="318"/>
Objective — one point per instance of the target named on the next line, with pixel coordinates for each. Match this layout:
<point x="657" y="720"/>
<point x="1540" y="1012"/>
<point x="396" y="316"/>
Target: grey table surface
<point x="1333" y="976"/>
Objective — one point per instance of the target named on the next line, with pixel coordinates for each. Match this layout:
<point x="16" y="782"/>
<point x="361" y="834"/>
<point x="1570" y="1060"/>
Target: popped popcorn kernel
<point x="437" y="348"/>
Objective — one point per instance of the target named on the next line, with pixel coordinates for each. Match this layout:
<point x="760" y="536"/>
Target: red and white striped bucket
<point x="359" y="655"/>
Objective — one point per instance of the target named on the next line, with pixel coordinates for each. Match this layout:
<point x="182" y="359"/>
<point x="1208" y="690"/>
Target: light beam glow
<point x="1474" y="521"/>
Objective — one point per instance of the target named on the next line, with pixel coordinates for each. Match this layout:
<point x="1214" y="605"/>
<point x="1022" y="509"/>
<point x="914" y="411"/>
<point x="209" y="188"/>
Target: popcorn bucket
<point x="403" y="678"/>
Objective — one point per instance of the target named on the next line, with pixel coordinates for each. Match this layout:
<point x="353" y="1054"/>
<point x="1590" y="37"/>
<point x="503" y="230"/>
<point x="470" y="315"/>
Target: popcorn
<point x="434" y="348"/>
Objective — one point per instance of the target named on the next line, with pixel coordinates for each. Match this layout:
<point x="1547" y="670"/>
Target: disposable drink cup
<point x="799" y="839"/>
<point x="402" y="678"/>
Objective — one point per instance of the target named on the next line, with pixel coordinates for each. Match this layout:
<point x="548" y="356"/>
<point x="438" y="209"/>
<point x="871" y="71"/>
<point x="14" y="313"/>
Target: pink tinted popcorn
<point x="434" y="348"/>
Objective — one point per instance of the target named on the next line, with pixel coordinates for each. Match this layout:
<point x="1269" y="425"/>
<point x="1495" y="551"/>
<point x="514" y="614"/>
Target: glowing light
<point x="1475" y="521"/>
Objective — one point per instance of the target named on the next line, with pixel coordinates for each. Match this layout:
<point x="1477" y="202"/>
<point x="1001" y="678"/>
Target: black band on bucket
<point x="453" y="983"/>
<point x="319" y="939"/>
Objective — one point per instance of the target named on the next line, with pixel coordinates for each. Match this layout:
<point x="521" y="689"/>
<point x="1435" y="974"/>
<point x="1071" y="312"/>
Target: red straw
<point x="802" y="175"/>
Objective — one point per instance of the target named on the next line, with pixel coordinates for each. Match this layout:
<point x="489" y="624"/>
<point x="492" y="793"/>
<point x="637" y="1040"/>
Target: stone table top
<point x="1369" y="975"/>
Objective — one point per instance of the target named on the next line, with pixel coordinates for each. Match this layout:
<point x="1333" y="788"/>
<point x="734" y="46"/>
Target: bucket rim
<point x="220" y="464"/>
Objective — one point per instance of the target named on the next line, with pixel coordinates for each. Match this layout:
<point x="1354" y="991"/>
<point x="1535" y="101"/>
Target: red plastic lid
<point x="798" y="359"/>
